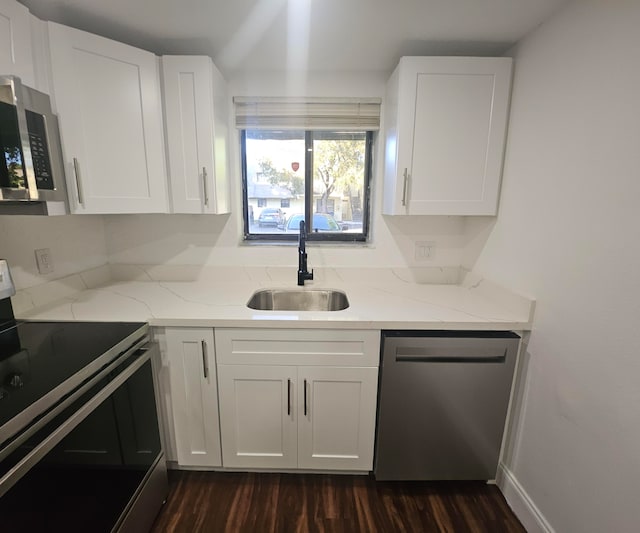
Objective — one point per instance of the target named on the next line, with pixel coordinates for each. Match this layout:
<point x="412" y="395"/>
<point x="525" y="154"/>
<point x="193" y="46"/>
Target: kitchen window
<point x="311" y="161"/>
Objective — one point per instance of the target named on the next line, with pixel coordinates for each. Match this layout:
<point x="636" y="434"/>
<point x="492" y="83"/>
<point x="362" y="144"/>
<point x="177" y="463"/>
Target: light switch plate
<point x="44" y="261"/>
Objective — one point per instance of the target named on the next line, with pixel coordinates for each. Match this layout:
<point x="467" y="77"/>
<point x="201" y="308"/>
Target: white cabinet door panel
<point x="194" y="396"/>
<point x="107" y="96"/>
<point x="257" y="416"/>
<point x="195" y="111"/>
<point x="104" y="110"/>
<point x="461" y="106"/>
<point x="336" y="417"/>
<point x="192" y="165"/>
<point x="445" y="124"/>
<point x="15" y="42"/>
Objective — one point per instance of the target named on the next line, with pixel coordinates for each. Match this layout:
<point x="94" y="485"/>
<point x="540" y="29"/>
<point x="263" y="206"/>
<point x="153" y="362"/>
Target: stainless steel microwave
<point x="31" y="168"/>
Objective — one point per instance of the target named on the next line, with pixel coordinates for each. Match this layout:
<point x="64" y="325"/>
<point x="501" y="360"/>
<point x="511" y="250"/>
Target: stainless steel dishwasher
<point x="443" y="403"/>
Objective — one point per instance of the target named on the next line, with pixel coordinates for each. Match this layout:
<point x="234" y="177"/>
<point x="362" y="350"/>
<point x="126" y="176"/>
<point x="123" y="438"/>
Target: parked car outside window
<point x="271" y="216"/>
<point x="321" y="222"/>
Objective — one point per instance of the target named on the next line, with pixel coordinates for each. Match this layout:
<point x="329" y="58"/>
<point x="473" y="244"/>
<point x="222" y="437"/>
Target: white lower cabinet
<point x="194" y="396"/>
<point x="257" y="416"/>
<point x="336" y="417"/>
<point x="312" y="415"/>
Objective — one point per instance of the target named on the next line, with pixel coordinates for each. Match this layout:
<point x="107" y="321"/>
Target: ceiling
<point x="314" y="35"/>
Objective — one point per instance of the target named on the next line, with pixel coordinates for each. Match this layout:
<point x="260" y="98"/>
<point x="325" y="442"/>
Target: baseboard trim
<point x="521" y="503"/>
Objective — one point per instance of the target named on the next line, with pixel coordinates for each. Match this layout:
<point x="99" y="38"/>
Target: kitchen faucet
<point x="303" y="273"/>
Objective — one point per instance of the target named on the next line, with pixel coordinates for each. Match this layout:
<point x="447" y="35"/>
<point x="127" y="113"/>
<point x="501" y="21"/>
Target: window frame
<point x="312" y="236"/>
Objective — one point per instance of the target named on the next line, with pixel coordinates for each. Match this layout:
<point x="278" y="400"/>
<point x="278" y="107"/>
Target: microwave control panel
<point x="39" y="150"/>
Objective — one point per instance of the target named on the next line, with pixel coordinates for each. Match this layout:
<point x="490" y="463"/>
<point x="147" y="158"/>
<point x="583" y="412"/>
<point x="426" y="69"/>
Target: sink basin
<point x="298" y="300"/>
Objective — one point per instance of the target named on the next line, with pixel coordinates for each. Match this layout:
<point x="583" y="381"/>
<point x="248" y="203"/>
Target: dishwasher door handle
<point x="408" y="354"/>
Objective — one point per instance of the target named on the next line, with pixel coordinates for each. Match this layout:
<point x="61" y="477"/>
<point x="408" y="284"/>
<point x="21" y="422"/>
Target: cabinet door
<point x="336" y="418"/>
<point x="194" y="396"/>
<point x="15" y="42"/>
<point x="258" y="416"/>
<point x="446" y="135"/>
<point x="194" y="101"/>
<point x="107" y="95"/>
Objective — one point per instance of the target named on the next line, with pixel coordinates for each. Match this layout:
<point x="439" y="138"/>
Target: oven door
<point x="97" y="465"/>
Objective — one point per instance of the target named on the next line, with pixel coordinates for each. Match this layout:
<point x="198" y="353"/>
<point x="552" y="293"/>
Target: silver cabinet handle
<point x="204" y="185"/>
<point x="76" y="171"/>
<point x="289" y="397"/>
<point x="205" y="365"/>
<point x="404" y="187"/>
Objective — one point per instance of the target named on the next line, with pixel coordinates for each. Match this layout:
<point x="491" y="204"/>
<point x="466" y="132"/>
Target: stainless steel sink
<point x="298" y="300"/>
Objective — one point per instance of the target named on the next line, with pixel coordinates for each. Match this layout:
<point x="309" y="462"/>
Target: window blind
<point x="354" y="114"/>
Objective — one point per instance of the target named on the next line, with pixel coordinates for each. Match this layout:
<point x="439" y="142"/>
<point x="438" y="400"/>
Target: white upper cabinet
<point x="445" y="126"/>
<point x="15" y="42"/>
<point x="196" y="131"/>
<point x="108" y="100"/>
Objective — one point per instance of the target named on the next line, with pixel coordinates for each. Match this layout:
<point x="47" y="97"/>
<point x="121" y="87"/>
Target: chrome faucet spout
<point x="303" y="273"/>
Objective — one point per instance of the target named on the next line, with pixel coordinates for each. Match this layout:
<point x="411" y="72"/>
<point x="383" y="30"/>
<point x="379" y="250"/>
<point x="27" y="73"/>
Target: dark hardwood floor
<point x="251" y="502"/>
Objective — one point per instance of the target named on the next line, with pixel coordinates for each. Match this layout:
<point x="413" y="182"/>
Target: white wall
<point x="81" y="242"/>
<point x="568" y="233"/>
<point x="217" y="240"/>
<point x="76" y="243"/>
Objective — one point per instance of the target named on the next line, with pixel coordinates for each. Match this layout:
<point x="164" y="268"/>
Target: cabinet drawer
<point x="298" y="347"/>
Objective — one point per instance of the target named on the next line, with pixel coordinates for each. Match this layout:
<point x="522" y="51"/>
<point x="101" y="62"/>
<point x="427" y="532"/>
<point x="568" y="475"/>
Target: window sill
<point x="313" y="244"/>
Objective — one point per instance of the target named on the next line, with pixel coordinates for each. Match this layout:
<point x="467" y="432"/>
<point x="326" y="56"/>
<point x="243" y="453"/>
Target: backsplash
<point x="68" y="287"/>
<point x="215" y="240"/>
<point x="176" y="247"/>
<point x="76" y="243"/>
<point x="45" y="293"/>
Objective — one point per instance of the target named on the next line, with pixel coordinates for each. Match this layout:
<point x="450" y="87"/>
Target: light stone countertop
<point x="217" y="297"/>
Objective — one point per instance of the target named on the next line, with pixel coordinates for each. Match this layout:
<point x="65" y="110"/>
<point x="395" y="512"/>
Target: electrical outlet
<point x="425" y="250"/>
<point x="44" y="261"/>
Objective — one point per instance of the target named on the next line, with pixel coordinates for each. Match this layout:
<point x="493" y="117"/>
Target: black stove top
<point x="36" y="358"/>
